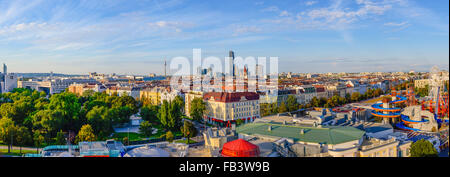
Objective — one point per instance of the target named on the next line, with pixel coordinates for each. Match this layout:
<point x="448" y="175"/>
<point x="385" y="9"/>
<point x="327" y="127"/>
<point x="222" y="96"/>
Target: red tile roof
<point x="231" y="97"/>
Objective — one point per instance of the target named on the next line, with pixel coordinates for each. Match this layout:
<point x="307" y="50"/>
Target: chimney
<point x="270" y="128"/>
<point x="302" y="132"/>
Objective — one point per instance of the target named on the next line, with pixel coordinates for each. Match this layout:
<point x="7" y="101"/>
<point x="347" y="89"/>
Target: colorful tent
<point x="240" y="148"/>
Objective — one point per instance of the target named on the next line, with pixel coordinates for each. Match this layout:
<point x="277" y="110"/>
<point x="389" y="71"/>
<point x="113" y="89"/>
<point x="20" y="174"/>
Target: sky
<point x="308" y="36"/>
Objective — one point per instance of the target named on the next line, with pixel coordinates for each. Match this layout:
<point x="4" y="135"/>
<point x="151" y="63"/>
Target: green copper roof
<point x="326" y="135"/>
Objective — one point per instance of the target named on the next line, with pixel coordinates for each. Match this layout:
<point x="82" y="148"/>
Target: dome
<point x="240" y="148"/>
<point x="147" y="152"/>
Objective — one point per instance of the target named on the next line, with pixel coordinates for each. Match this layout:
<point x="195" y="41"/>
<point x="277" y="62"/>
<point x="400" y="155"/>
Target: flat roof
<point x="325" y="135"/>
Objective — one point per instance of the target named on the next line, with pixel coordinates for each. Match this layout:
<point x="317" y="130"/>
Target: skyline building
<point x="231" y="64"/>
<point x="8" y="82"/>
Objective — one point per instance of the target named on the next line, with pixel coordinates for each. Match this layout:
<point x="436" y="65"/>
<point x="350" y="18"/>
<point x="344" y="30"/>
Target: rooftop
<point x="326" y="135"/>
<point x="231" y="97"/>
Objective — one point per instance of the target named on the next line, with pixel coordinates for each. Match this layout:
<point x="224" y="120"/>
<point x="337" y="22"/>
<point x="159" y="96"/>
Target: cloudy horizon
<point x="308" y="36"/>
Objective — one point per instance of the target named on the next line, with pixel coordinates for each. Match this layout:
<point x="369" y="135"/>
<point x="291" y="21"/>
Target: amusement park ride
<point x="431" y="116"/>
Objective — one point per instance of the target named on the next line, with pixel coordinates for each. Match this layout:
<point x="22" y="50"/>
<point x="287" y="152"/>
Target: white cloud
<point x="171" y="24"/>
<point x="284" y="13"/>
<point x="396" y="24"/>
<point x="310" y="3"/>
<point x="271" y="9"/>
<point x="16" y="8"/>
<point x="239" y="30"/>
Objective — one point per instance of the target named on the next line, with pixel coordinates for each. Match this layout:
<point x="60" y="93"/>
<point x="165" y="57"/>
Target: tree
<point x="292" y="103"/>
<point x="169" y="136"/>
<point x="274" y="108"/>
<point x="198" y="107"/>
<point x="42" y="94"/>
<point x="348" y="97"/>
<point x="7" y="132"/>
<point x="174" y="116"/>
<point x="239" y="122"/>
<point x="100" y="122"/>
<point x="67" y="104"/>
<point x="314" y="102"/>
<point x="188" y="130"/>
<point x="86" y="133"/>
<point x="50" y="121"/>
<point x="282" y="108"/>
<point x="163" y="113"/>
<point x="355" y="97"/>
<point x="423" y="148"/>
<point x="60" y="138"/>
<point x="180" y="102"/>
<point x="8" y="110"/>
<point x="150" y="113"/>
<point x="146" y="128"/>
<point x="23" y="137"/>
<point x="127" y="101"/>
<point x="38" y="140"/>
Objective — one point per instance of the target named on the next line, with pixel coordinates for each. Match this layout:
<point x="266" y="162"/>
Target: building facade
<point x="229" y="107"/>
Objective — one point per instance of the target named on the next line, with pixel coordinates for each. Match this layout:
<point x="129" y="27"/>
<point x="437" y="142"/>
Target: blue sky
<point x="133" y="37"/>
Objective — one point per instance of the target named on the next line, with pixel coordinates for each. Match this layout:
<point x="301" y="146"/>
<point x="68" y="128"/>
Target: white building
<point x="8" y="81"/>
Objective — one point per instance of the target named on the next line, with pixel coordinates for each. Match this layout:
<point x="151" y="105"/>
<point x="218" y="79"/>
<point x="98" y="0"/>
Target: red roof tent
<point x="240" y="148"/>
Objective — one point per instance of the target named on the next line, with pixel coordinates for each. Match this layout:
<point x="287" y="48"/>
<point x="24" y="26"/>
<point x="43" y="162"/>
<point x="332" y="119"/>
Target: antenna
<point x="165" y="67"/>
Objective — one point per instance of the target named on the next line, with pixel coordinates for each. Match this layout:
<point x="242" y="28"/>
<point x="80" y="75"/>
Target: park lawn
<point x="133" y="136"/>
<point x="16" y="152"/>
<point x="185" y="141"/>
<point x="140" y="137"/>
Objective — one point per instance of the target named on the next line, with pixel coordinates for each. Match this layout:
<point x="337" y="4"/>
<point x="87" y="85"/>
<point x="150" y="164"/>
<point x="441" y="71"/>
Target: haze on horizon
<point x="308" y="36"/>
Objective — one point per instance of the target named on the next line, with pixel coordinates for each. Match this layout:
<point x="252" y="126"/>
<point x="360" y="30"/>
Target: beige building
<point x="421" y="83"/>
<point x="228" y="107"/>
<point x="79" y="89"/>
<point x="151" y="96"/>
<point x="384" y="148"/>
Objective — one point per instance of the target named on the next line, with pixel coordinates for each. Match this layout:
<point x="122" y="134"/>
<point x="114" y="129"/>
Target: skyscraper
<point x="231" y="64"/>
<point x="5" y="69"/>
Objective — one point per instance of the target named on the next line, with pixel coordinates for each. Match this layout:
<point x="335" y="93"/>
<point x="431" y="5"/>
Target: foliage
<point x="86" y="134"/>
<point x="60" y="138"/>
<point x="423" y="148"/>
<point x="188" y="130"/>
<point x="170" y="115"/>
<point x="101" y="121"/>
<point x="146" y="128"/>
<point x="423" y="92"/>
<point x="38" y="139"/>
<point x="23" y="136"/>
<point x="282" y="108"/>
<point x="292" y="103"/>
<point x="150" y="113"/>
<point x="169" y="136"/>
<point x="7" y="131"/>
<point x="239" y="122"/>
<point x="198" y="108"/>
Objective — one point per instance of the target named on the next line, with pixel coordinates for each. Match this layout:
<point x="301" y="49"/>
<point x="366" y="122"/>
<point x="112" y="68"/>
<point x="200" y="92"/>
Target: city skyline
<point x="126" y="37"/>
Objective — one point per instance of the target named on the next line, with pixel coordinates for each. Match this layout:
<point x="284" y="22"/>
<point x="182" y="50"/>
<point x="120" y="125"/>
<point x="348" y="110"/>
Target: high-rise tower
<point x="231" y="64"/>
<point x="5" y="69"/>
<point x="165" y="67"/>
